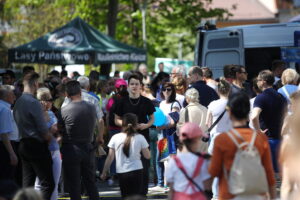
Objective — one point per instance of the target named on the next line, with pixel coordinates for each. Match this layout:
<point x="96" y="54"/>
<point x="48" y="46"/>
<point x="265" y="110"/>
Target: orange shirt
<point x="224" y="152"/>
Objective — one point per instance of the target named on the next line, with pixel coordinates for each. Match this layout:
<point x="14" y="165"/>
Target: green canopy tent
<point x="76" y="43"/>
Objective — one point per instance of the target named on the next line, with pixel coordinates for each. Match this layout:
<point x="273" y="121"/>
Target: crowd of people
<point x="194" y="137"/>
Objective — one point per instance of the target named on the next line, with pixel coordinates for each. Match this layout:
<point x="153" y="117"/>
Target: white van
<point x="254" y="46"/>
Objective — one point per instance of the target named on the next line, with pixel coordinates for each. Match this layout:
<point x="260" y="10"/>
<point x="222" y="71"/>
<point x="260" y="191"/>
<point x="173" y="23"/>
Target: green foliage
<point x="165" y="19"/>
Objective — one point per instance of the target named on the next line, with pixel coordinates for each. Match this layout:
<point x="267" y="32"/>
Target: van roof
<point x="265" y="35"/>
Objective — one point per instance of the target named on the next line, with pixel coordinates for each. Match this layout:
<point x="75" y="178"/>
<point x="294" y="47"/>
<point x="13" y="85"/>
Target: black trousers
<point x="146" y="166"/>
<point x="78" y="163"/>
<point x="37" y="162"/>
<point x="6" y="169"/>
<point x="131" y="183"/>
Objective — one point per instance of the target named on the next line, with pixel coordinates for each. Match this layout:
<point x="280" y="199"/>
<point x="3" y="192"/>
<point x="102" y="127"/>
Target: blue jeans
<point x="274" y="145"/>
<point x="160" y="170"/>
<point x="153" y="149"/>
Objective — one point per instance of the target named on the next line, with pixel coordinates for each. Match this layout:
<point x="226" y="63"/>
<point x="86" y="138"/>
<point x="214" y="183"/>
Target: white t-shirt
<point x="124" y="164"/>
<point x="174" y="174"/>
<point x="216" y="108"/>
<point x="180" y="98"/>
<point x="251" y="110"/>
<point x="166" y="107"/>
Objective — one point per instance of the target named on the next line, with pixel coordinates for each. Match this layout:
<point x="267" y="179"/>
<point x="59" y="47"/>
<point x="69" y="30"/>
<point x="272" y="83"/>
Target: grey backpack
<point x="247" y="175"/>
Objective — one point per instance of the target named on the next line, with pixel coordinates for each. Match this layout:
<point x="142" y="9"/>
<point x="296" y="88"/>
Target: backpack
<point x="247" y="176"/>
<point x="198" y="193"/>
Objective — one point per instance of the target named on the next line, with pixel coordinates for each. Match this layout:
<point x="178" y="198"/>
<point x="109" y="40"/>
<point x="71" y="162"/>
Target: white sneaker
<point x="157" y="189"/>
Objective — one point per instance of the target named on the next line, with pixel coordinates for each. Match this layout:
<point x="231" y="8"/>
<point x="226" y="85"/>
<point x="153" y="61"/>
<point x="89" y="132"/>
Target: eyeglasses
<point x="167" y="89"/>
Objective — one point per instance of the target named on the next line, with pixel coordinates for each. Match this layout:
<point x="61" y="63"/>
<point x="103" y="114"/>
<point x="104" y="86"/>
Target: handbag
<point x="163" y="150"/>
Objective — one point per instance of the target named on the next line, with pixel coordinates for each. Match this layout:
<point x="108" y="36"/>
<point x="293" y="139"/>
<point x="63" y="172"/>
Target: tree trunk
<point x="111" y="26"/>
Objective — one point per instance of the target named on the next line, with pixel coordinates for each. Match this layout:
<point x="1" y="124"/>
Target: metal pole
<point x="143" y="8"/>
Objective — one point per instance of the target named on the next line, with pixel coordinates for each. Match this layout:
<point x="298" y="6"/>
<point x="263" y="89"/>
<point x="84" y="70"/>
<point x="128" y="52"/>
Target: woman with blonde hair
<point x="289" y="79"/>
<point x="45" y="98"/>
<point x="290" y="153"/>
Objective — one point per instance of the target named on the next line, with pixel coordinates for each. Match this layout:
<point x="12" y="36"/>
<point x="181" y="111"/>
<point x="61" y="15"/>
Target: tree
<point x="121" y="19"/>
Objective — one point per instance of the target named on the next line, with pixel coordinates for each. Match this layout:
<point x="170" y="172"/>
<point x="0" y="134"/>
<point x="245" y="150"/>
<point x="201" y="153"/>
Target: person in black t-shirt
<point x="141" y="106"/>
<point x="269" y="110"/>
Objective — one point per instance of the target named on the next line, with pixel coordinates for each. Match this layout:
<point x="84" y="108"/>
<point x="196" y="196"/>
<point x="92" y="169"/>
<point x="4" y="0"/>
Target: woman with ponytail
<point x="127" y="147"/>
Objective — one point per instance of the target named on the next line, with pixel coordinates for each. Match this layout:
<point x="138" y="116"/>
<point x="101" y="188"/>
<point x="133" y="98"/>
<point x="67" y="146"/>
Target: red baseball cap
<point x="190" y="130"/>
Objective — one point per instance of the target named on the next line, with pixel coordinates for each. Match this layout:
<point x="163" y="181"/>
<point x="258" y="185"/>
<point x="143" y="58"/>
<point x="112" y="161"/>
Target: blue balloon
<point x="159" y="117"/>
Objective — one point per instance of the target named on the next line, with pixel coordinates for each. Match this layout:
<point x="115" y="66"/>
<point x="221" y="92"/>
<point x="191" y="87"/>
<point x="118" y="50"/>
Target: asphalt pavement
<point x="112" y="192"/>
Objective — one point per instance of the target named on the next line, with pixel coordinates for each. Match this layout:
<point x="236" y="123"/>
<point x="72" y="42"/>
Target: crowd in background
<point x="180" y="131"/>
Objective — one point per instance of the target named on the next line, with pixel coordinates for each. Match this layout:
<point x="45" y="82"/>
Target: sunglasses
<point x="167" y="89"/>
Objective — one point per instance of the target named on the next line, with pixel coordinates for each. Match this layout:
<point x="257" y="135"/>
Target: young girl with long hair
<point x="127" y="147"/>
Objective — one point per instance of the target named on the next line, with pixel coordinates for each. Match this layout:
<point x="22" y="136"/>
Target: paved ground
<point x="107" y="192"/>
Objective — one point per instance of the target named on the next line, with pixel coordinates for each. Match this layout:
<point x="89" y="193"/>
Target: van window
<point x="257" y="59"/>
<point x="223" y="43"/>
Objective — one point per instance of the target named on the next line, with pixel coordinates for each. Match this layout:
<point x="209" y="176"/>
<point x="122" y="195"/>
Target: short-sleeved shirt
<point x="53" y="146"/>
<point x="206" y="93"/>
<point x="167" y="107"/>
<point x="29" y="116"/>
<point x="88" y="98"/>
<point x="246" y="89"/>
<point x="216" y="108"/>
<point x="223" y="156"/>
<point x="273" y="106"/>
<point x="287" y="90"/>
<point x="142" y="107"/>
<point x="6" y="119"/>
<point x="79" y="120"/>
<point x="174" y="174"/>
<point x="133" y="162"/>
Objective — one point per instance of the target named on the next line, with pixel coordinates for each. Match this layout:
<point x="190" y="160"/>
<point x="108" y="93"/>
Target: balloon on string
<point x="159" y="117"/>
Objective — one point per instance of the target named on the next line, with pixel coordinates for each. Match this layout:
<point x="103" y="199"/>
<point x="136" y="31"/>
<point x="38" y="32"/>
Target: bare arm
<point x="100" y="131"/>
<point x="11" y="152"/>
<point x="108" y="161"/>
<point x="209" y="118"/>
<point x="255" y="118"/>
<point x="171" y="191"/>
<point x="143" y="126"/>
<point x="118" y="120"/>
<point x="146" y="153"/>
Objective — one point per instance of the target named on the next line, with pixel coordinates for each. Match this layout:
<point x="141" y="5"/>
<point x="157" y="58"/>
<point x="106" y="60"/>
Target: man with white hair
<point x="85" y="86"/>
<point x="7" y="133"/>
<point x="143" y="69"/>
<point x="178" y="71"/>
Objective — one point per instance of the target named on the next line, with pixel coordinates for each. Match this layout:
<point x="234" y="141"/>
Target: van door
<point x="221" y="48"/>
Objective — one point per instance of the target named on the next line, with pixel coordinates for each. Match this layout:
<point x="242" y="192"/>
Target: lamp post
<point x="143" y="9"/>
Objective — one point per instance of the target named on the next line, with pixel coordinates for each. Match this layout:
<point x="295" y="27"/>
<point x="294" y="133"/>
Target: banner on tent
<point x="120" y="57"/>
<point x="49" y="57"/>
